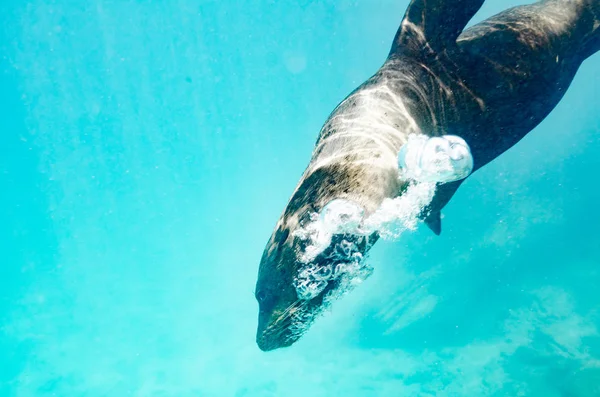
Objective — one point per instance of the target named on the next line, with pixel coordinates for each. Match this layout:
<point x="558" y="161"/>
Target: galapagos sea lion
<point x="490" y="85"/>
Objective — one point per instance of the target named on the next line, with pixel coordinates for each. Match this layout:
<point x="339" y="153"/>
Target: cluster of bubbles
<point x="344" y="264"/>
<point x="337" y="217"/>
<point x="423" y="162"/>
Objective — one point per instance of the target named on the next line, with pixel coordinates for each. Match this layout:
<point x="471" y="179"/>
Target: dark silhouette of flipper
<point x="433" y="23"/>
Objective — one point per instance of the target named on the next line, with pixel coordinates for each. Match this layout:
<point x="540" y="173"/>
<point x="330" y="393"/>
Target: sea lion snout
<point x="274" y="330"/>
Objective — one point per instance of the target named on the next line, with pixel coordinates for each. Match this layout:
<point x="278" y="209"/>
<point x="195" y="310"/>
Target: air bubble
<point x="341" y="215"/>
<point x="323" y="273"/>
<point x="308" y="290"/>
<point x="439" y="159"/>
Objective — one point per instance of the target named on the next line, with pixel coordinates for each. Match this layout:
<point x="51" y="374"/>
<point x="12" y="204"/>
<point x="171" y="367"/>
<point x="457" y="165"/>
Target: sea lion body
<point x="490" y="84"/>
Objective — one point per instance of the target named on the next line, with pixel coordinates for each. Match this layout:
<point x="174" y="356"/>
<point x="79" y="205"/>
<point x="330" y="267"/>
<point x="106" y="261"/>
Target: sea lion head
<point x="292" y="290"/>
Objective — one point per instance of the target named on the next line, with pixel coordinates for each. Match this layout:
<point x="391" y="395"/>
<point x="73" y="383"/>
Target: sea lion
<point x="490" y="85"/>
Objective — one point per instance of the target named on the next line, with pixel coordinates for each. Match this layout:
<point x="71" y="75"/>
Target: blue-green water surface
<point x="146" y="151"/>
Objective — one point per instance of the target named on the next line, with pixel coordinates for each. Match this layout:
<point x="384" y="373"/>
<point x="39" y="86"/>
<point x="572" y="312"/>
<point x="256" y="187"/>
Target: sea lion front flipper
<point x="434" y="222"/>
<point x="432" y="214"/>
<point x="433" y="23"/>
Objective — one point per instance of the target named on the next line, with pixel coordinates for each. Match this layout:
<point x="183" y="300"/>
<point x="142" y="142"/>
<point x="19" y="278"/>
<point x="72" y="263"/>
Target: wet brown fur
<point x="490" y="84"/>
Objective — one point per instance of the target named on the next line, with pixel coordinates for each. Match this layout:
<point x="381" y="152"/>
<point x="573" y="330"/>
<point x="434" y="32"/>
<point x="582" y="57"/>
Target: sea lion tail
<point x="433" y="24"/>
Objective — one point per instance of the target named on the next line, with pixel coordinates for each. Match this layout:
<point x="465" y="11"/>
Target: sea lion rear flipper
<point x="433" y="23"/>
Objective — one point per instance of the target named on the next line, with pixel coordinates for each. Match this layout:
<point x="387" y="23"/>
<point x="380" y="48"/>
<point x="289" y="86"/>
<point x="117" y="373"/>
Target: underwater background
<point x="146" y="151"/>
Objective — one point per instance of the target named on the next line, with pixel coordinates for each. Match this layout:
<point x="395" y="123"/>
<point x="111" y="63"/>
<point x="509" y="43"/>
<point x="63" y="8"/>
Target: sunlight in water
<point x="148" y="148"/>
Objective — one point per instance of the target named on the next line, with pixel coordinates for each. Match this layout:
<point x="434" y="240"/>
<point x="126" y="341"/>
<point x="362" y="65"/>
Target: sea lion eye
<point x="261" y="296"/>
<point x="285" y="235"/>
<point x="265" y="299"/>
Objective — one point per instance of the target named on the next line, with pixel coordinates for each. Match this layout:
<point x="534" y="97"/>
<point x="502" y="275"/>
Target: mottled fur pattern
<point x="490" y="84"/>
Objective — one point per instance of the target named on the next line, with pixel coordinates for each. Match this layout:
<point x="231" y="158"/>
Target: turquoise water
<point x="147" y="150"/>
